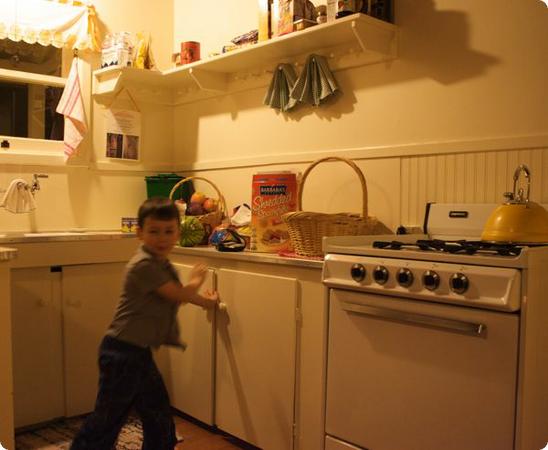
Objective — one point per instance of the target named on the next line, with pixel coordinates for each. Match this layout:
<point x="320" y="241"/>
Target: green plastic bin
<point x="160" y="186"/>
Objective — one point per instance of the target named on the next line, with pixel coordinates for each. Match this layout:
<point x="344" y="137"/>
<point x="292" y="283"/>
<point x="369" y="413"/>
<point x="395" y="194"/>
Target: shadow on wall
<point x="432" y="43"/>
<point x="437" y="44"/>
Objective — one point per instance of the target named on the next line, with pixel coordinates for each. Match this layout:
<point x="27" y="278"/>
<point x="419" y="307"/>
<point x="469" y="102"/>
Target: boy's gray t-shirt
<point x="143" y="317"/>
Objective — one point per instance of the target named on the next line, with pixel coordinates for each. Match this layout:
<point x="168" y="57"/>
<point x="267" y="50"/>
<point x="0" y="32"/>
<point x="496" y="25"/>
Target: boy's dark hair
<point x="159" y="208"/>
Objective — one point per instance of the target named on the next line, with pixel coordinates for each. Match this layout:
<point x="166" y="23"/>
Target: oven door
<point x="411" y="375"/>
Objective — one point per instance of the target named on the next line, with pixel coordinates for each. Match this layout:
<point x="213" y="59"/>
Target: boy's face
<point x="159" y="236"/>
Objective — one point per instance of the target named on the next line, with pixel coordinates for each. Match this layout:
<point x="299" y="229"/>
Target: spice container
<point x="302" y="24"/>
<point x="321" y="14"/>
<point x="190" y="52"/>
<point x="347" y="7"/>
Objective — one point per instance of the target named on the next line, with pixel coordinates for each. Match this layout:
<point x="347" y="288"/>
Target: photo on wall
<point x="123" y="134"/>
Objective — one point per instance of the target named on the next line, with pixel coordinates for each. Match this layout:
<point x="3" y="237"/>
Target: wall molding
<point x="120" y="167"/>
<point x="415" y="149"/>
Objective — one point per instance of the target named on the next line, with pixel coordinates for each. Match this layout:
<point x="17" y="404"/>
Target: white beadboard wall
<point x="480" y="177"/>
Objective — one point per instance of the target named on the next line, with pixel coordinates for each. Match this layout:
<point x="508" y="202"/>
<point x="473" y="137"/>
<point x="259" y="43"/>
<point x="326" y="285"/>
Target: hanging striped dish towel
<point x="71" y="106"/>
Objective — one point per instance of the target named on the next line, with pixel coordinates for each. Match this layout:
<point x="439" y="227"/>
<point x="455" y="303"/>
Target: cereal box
<point x="273" y="195"/>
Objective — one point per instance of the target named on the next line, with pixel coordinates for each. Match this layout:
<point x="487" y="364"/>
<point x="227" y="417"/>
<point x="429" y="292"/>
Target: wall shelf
<point x="352" y="41"/>
<point x="17" y="76"/>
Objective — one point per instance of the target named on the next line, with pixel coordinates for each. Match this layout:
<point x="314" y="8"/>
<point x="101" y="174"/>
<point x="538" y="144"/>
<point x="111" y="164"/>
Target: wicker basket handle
<point x="334" y="158"/>
<point x="222" y="203"/>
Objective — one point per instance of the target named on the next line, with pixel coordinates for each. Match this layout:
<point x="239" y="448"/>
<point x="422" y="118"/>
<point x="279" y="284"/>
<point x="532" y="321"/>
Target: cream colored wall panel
<point x="228" y="20"/>
<point x="141" y="15"/>
<point x="155" y="139"/>
<point x="455" y="79"/>
<point x="405" y="173"/>
<point x="330" y="187"/>
<point x="450" y="179"/>
<point x="479" y="173"/>
<point x="82" y="198"/>
<point x="75" y="198"/>
<point x="469" y="178"/>
<point x="217" y="28"/>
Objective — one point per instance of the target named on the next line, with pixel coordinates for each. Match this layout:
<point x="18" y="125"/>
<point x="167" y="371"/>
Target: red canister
<point x="190" y="52"/>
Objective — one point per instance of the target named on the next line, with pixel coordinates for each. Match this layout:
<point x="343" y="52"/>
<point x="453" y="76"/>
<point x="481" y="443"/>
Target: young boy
<point x="146" y="318"/>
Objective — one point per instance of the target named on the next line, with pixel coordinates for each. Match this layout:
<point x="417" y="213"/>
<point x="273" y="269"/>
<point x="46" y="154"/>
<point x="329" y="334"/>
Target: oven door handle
<point x="472" y="329"/>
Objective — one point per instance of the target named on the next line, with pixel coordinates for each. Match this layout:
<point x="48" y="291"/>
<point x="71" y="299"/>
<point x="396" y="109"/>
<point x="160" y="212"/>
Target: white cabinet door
<point x="189" y="375"/>
<point x="255" y="362"/>
<point x="90" y="295"/>
<point x="37" y="345"/>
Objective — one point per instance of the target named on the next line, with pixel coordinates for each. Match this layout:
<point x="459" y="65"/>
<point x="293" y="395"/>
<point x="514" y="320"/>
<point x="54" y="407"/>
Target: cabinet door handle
<point x="473" y="329"/>
<point x="75" y="303"/>
<point x="222" y="307"/>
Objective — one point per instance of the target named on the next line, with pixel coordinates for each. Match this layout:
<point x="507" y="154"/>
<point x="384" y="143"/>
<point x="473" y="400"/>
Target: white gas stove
<point x="437" y="340"/>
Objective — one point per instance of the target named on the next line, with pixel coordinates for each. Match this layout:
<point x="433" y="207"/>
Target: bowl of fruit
<point x="207" y="211"/>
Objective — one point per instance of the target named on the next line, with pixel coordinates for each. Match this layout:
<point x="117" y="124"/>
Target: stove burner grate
<point x="455" y="247"/>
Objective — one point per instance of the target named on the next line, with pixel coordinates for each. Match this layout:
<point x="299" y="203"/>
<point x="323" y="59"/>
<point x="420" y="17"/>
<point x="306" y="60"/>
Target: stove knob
<point x="431" y="280"/>
<point x="380" y="274"/>
<point x="357" y="272"/>
<point x="459" y="283"/>
<point x="405" y="277"/>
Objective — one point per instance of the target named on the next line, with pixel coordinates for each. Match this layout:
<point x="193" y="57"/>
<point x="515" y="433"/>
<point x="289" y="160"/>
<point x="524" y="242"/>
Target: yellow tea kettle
<point x="518" y="219"/>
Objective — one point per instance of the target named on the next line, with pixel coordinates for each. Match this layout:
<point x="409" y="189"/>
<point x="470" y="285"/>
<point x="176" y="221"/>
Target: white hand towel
<point x="18" y="198"/>
<point x="71" y="106"/>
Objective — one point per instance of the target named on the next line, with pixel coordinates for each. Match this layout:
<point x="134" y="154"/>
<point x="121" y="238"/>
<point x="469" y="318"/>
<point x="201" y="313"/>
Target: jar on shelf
<point x="321" y="13"/>
<point x="347" y="7"/>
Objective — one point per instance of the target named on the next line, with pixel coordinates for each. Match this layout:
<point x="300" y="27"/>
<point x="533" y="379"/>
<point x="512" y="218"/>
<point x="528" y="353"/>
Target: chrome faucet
<point x="36" y="183"/>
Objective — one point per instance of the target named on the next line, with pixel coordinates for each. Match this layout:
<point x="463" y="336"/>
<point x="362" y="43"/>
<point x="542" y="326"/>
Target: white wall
<point x="96" y="197"/>
<point x="214" y="24"/>
<point x="469" y="75"/>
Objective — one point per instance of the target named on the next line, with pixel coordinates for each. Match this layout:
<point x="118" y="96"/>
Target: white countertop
<point x="270" y="258"/>
<point x="48" y="236"/>
<point x="201" y="251"/>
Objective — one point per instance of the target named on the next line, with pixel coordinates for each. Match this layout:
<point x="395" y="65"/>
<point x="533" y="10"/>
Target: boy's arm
<point x="182" y="294"/>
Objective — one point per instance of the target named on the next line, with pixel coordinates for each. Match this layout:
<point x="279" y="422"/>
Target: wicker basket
<point x="212" y="219"/>
<point x="306" y="229"/>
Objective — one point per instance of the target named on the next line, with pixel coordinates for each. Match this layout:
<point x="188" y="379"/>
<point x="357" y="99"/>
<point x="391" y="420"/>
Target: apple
<point x="195" y="209"/>
<point x="211" y="204"/>
<point x="198" y="197"/>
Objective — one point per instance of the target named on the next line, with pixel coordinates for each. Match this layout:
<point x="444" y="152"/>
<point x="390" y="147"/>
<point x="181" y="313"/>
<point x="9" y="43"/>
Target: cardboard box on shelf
<point x="265" y="31"/>
<point x="286" y="12"/>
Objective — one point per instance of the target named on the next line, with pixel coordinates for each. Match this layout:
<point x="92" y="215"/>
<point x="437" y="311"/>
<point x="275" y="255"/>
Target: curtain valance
<point x="61" y="23"/>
